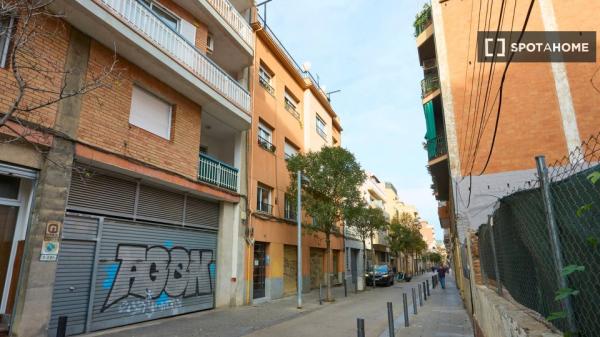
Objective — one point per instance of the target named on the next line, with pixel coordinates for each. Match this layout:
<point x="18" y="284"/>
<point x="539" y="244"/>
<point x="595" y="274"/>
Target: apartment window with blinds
<point x="289" y="209"/>
<point x="265" y="78"/>
<point x="321" y="127"/>
<point x="290" y="150"/>
<point x="263" y="199"/>
<point x="150" y="113"/>
<point x="6" y="25"/>
<point x="265" y="137"/>
<point x="291" y="104"/>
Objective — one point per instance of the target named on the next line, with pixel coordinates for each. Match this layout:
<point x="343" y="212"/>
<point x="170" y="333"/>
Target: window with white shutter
<point x="150" y="113"/>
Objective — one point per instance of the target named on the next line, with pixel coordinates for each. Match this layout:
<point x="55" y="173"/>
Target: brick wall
<point x="105" y="118"/>
<point x="46" y="50"/>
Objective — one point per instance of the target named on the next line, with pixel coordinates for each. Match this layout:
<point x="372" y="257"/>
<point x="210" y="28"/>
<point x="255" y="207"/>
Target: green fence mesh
<point x="518" y="242"/>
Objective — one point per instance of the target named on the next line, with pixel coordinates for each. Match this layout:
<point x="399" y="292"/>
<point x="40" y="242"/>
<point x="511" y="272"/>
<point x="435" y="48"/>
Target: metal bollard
<point x="405" y="302"/>
<point x="360" y="327"/>
<point x="320" y="294"/>
<point x="390" y="313"/>
<point x="424" y="291"/>
<point x="414" y="300"/>
<point x="61" y="329"/>
<point x="433" y="282"/>
<point x="428" y="293"/>
<point x="420" y="295"/>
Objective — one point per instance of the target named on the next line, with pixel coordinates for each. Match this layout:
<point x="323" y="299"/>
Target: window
<point x="321" y="127"/>
<point x="210" y="43"/>
<point x="290" y="102"/>
<point x="263" y="199"/>
<point x="150" y="113"/>
<point x="265" y="78"/>
<point x="165" y="16"/>
<point x="6" y="25"/>
<point x="290" y="150"/>
<point x="265" y="137"/>
<point x="9" y="187"/>
<point x="289" y="210"/>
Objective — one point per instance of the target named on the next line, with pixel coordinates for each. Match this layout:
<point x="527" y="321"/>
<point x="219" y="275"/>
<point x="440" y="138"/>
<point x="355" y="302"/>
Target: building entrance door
<point x="354" y="265"/>
<point x="8" y="223"/>
<point x="260" y="257"/>
<point x="290" y="269"/>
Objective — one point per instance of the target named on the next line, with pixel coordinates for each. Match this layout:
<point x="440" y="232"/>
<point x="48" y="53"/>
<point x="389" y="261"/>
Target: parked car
<point x="383" y="276"/>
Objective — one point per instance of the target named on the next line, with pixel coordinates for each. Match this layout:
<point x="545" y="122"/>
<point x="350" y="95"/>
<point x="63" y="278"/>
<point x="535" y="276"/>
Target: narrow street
<point x="441" y="315"/>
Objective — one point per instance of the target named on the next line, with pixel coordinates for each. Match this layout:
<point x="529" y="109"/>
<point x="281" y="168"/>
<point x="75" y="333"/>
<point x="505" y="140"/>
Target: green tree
<point x="405" y="237"/>
<point x="334" y="177"/>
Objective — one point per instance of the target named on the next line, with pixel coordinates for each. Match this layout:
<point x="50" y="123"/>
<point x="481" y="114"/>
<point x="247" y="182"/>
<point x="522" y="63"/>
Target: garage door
<point x="140" y="253"/>
<point x="290" y="269"/>
<point x="139" y="272"/>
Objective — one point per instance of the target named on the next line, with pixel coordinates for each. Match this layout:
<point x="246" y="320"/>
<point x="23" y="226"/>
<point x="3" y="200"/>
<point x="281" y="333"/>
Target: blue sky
<point x="367" y="49"/>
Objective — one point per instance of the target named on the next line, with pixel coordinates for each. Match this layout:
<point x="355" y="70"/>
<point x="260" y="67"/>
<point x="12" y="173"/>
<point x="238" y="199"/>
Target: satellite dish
<point x="306" y="66"/>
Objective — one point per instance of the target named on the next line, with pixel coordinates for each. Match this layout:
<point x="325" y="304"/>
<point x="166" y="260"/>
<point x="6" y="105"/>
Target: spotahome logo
<point x="536" y="46"/>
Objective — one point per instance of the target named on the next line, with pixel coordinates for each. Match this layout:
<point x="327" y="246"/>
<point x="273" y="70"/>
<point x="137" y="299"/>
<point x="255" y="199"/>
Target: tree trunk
<point x="329" y="271"/>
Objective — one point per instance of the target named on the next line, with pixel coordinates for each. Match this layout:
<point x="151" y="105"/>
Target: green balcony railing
<point x="436" y="147"/>
<point x="218" y="173"/>
<point x="429" y="84"/>
<point x="423" y="20"/>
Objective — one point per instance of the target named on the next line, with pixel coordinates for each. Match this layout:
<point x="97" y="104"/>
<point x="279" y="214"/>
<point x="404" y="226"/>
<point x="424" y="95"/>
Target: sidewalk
<point x="442" y="315"/>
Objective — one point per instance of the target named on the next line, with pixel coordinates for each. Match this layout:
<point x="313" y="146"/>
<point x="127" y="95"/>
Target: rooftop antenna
<point x="331" y="93"/>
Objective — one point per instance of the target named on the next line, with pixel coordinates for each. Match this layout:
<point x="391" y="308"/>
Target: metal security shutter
<point x="199" y="213"/>
<point x="160" y="205"/>
<point x="74" y="273"/>
<point x="171" y="270"/>
<point x="92" y="191"/>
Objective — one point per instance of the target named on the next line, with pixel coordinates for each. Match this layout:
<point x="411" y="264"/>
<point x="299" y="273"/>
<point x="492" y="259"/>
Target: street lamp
<point x="299" y="245"/>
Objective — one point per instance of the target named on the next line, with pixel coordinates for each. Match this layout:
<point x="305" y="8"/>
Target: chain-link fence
<point x="520" y="258"/>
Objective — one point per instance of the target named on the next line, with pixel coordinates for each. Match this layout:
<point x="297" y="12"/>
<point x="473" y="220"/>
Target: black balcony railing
<point x="423" y="20"/>
<point x="265" y="144"/>
<point x="436" y="147"/>
<point x="264" y="207"/>
<point x="291" y="108"/>
<point x="429" y="84"/>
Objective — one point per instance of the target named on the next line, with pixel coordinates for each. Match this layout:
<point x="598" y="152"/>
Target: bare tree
<point x="35" y="79"/>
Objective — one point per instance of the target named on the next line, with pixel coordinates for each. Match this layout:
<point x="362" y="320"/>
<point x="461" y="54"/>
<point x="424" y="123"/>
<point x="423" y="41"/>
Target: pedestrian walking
<point x="441" y="271"/>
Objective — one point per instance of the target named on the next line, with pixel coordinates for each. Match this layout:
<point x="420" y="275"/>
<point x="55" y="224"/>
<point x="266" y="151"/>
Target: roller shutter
<point x="132" y="252"/>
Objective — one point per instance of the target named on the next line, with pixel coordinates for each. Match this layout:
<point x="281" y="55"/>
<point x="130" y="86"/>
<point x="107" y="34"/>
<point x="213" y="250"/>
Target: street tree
<point x="334" y="177"/>
<point x="405" y="237"/>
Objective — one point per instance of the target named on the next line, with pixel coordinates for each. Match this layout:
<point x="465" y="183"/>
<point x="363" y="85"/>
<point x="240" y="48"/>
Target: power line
<point x="490" y="82"/>
<point x="502" y="88"/>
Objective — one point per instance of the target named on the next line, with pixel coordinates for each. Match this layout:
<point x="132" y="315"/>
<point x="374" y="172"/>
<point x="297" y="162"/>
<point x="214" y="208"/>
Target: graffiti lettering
<point x="157" y="272"/>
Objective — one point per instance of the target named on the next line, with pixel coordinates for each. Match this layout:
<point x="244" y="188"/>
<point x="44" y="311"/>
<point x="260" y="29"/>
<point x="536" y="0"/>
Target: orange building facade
<point x="279" y="130"/>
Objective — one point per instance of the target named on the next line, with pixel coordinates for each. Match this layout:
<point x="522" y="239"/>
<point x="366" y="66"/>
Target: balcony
<point x="264" y="207"/>
<point x="137" y="34"/>
<point x="234" y="19"/>
<point x="429" y="85"/>
<point x="218" y="173"/>
<point x="436" y="147"/>
<point x="424" y="19"/>
<point x="265" y="144"/>
<point x="291" y="108"/>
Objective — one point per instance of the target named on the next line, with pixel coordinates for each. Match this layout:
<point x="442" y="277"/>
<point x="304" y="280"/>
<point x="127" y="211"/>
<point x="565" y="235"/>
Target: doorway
<point x="259" y="278"/>
<point x="290" y="270"/>
<point x="8" y="224"/>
